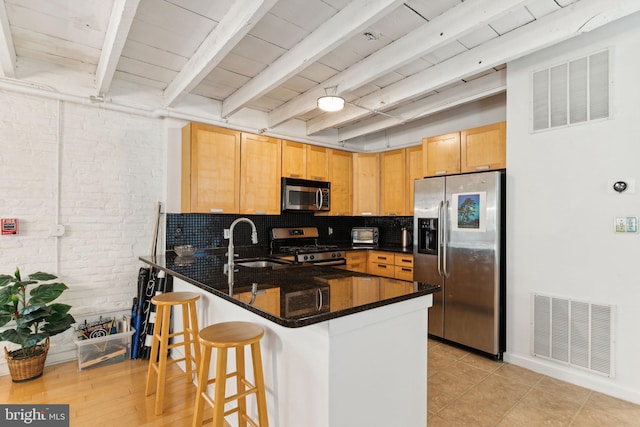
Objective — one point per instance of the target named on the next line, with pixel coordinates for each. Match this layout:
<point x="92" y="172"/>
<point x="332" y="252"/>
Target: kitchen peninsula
<point x="341" y="348"/>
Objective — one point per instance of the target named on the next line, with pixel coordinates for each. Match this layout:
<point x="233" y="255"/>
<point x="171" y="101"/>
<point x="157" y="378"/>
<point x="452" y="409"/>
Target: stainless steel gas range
<point x="302" y="244"/>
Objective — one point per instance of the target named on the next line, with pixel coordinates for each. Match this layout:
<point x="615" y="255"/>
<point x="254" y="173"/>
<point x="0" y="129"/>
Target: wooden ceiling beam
<point x="235" y="24"/>
<point x="479" y="88"/>
<point x="458" y="21"/>
<point x="351" y="20"/>
<point x="558" y="26"/>
<point x="7" y="50"/>
<point x="122" y="15"/>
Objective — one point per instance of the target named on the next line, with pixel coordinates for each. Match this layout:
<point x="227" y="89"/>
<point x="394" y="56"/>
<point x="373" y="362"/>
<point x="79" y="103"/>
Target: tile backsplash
<point x="207" y="230"/>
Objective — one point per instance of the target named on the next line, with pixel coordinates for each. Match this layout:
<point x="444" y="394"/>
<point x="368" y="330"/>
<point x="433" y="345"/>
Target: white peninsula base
<point x="364" y="369"/>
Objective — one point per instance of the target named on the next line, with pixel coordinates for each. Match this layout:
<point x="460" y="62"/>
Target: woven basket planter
<point x="25" y="369"/>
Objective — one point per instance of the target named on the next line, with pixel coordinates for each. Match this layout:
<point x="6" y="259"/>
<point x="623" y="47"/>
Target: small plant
<point x="35" y="320"/>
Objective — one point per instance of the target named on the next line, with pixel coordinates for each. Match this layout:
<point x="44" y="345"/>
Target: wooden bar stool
<point x="160" y="345"/>
<point x="223" y="336"/>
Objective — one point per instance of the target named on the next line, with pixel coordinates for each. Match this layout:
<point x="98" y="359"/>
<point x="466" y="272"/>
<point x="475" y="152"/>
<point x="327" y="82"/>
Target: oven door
<point x="306" y="302"/>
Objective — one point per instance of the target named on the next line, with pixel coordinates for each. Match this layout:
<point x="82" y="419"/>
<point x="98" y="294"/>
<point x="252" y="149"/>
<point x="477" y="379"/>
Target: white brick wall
<point x="112" y="172"/>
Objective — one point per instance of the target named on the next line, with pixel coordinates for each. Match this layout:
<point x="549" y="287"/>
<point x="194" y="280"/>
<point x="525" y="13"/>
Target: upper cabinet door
<point x="294" y="159"/>
<point x="393" y="182"/>
<point x="483" y="148"/>
<point x="414" y="171"/>
<point x="366" y="183"/>
<point x="317" y="163"/>
<point x="442" y="154"/>
<point x="340" y="171"/>
<point x="260" y="175"/>
<point x="210" y="169"/>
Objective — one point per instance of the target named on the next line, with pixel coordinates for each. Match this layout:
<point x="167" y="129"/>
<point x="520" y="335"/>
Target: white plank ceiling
<point x="393" y="61"/>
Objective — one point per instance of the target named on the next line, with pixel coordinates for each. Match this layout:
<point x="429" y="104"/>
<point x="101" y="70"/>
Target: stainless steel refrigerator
<point x="459" y="244"/>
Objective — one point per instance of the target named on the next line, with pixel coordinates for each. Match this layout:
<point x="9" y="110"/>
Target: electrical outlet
<point x="226" y="233"/>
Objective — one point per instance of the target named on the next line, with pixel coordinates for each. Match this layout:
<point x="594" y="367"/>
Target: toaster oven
<point x="365" y="236"/>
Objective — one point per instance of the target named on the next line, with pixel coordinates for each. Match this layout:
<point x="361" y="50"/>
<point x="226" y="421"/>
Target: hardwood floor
<point x="111" y="395"/>
<point x="463" y="390"/>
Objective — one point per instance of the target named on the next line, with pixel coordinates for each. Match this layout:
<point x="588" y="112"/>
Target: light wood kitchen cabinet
<point x="366" y="183"/>
<point x="317" y="163"/>
<point x="403" y="266"/>
<point x="472" y="150"/>
<point x="294" y="159"/>
<point x="442" y="154"/>
<point x="305" y="161"/>
<point x="210" y="169"/>
<point x="393" y="183"/>
<point x="392" y="265"/>
<point x="340" y="176"/>
<point x="260" y="168"/>
<point x="381" y="264"/>
<point x="414" y="171"/>
<point x="267" y="300"/>
<point x="483" y="148"/>
<point x="356" y="261"/>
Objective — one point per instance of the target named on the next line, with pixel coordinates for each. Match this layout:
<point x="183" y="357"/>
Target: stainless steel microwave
<point x="305" y="196"/>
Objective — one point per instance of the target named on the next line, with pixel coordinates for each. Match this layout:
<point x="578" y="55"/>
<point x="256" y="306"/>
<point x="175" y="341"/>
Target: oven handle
<point x="332" y="262"/>
<point x="319" y="300"/>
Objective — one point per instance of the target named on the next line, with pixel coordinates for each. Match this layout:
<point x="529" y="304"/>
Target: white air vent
<point x="571" y="93"/>
<point x="574" y="332"/>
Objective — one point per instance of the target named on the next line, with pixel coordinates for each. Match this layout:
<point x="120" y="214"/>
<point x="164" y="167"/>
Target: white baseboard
<point x="575" y="376"/>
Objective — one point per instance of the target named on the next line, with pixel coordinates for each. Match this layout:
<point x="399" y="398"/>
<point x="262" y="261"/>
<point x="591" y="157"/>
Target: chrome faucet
<point x="230" y="249"/>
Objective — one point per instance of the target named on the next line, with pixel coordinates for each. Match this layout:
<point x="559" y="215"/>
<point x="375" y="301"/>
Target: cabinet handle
<point x="482" y="168"/>
<point x="261" y="212"/>
<point x="441" y="172"/>
<point x="367" y="213"/>
<point x="382" y="266"/>
<point x="392" y="214"/>
<point x="405" y="269"/>
<point x="317" y="178"/>
<point x="382" y="257"/>
<point x="340" y="214"/>
<point x="294" y="175"/>
<point x="405" y="260"/>
<point x="215" y="210"/>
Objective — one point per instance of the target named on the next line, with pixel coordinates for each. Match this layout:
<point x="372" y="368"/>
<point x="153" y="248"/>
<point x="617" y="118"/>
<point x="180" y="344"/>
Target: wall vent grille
<point x="570" y="93"/>
<point x="574" y="332"/>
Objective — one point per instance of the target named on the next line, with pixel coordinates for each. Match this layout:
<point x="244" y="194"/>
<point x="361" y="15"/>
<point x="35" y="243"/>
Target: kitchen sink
<point x="262" y="263"/>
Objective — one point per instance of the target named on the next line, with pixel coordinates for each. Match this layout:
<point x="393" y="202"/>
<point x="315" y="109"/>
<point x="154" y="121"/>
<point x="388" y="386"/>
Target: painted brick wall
<point x="99" y="173"/>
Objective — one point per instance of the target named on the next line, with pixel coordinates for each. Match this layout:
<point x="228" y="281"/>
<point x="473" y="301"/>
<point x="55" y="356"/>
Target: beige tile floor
<point x="465" y="389"/>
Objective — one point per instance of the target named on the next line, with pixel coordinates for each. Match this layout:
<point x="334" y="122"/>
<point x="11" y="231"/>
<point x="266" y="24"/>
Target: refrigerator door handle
<point x="445" y="243"/>
<point x="439" y="237"/>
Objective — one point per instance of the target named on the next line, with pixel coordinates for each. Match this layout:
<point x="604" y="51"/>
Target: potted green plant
<point x="35" y="320"/>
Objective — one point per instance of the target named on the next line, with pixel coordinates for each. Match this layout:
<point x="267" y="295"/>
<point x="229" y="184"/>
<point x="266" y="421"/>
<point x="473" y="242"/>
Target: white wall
<point x="561" y="208"/>
<point x="99" y="174"/>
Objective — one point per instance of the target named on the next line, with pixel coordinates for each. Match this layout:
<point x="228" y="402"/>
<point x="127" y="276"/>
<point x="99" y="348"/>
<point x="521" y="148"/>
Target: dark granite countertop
<point x="289" y="295"/>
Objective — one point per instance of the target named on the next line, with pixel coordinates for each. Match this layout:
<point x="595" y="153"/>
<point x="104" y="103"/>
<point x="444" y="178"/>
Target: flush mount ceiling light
<point x="331" y="101"/>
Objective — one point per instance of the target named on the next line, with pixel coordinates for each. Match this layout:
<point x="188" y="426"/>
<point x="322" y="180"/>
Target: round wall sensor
<point x="620" y="186"/>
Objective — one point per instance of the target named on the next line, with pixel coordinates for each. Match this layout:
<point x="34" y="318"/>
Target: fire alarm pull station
<point x="9" y="225"/>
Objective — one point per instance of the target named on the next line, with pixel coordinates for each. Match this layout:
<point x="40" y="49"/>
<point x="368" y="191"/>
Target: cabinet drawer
<point x="404" y="273"/>
<point x="384" y="270"/>
<point x="353" y="257"/>
<point x="403" y="260"/>
<point x="381" y="257"/>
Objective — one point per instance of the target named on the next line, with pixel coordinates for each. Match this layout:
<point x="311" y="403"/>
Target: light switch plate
<point x="626" y="224"/>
